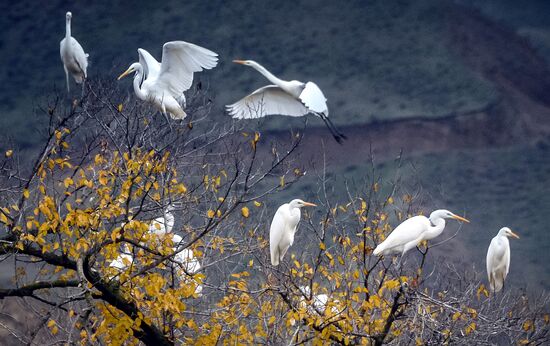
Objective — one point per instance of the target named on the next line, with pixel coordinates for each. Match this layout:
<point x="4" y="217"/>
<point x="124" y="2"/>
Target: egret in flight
<point x="163" y="84"/>
<point x="498" y="258"/>
<point x="75" y="61"/>
<point x="414" y="230"/>
<point x="283" y="228"/>
<point x="292" y="98"/>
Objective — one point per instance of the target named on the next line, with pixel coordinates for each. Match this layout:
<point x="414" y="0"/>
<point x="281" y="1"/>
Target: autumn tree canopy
<point x="109" y="166"/>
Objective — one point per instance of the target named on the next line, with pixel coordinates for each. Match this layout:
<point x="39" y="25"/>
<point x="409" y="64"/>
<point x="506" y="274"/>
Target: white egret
<point x="414" y="230"/>
<point x="164" y="85"/>
<point x="498" y="258"/>
<point x="163" y="224"/>
<point x="75" y="61"/>
<point x="283" y="228"/>
<point x="292" y="98"/>
<point x="188" y="262"/>
<point x="123" y="260"/>
<point x="319" y="300"/>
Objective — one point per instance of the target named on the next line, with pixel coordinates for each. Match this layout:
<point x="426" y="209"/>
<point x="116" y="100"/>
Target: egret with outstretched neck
<point x="75" y="61"/>
<point x="292" y="98"/>
<point x="415" y="230"/>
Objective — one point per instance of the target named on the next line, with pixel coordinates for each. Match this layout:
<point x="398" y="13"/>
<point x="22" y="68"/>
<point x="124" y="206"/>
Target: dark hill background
<point x="461" y="88"/>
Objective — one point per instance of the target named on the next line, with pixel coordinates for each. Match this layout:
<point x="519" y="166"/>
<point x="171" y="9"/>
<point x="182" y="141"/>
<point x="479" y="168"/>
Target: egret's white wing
<point x="179" y="61"/>
<point x="408" y="231"/>
<point x="266" y="101"/>
<point x="314" y="99"/>
<point x="151" y="67"/>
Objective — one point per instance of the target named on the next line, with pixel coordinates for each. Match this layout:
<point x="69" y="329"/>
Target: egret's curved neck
<point x="68" y="28"/>
<point x="267" y="74"/>
<point x="436" y="227"/>
<point x="137" y="80"/>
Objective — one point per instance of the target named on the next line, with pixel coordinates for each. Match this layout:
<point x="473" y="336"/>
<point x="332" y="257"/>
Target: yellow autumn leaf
<point x="210" y="213"/>
<point x="257" y="204"/>
<point x="26" y="193"/>
<point x="9" y="153"/>
<point x="119" y="108"/>
<point x="245" y="212"/>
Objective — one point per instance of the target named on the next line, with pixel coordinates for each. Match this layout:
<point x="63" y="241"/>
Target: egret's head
<point x="298" y="203"/>
<point x="505" y="231"/>
<point x="68" y="15"/>
<point x="244" y="62"/>
<point x="445" y="214"/>
<point x="133" y="68"/>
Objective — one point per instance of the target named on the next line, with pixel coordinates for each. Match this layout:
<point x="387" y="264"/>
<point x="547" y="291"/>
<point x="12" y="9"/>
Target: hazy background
<point x="460" y="88"/>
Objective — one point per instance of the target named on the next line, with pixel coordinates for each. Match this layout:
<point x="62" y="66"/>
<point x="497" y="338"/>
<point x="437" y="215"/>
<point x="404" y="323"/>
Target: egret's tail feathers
<point x="178" y="116"/>
<point x="378" y="251"/>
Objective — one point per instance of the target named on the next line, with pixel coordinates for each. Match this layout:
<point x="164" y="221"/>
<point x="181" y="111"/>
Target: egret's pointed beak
<point x="460" y="218"/>
<point x="242" y="62"/>
<point x="307" y="204"/>
<point x="514" y="235"/>
<point x="125" y="73"/>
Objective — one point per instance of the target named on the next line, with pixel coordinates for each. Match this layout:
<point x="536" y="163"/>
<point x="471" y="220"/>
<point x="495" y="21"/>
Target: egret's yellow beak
<point x="514" y="235"/>
<point x="242" y="62"/>
<point x="125" y="73"/>
<point x="307" y="204"/>
<point x="460" y="218"/>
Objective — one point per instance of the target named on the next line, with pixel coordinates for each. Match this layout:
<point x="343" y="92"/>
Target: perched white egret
<point x="283" y="228"/>
<point x="163" y="84"/>
<point x="163" y="224"/>
<point x="414" y="230"/>
<point x="188" y="262"/>
<point x="498" y="258"/>
<point x="319" y="300"/>
<point x="75" y="61"/>
<point x="292" y="98"/>
<point x="123" y="260"/>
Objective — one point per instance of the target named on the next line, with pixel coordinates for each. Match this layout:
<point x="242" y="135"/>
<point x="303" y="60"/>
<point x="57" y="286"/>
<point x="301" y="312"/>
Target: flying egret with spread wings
<point x="292" y="98"/>
<point x="163" y="83"/>
<point x="75" y="61"/>
<point x="283" y="228"/>
<point x="498" y="258"/>
<point x="414" y="230"/>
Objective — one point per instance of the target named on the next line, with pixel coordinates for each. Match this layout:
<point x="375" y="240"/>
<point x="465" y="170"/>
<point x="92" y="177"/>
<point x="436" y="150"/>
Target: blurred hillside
<point x="375" y="60"/>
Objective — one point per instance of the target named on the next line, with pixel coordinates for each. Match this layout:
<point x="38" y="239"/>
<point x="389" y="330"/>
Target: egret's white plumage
<point x="292" y="98"/>
<point x="283" y="228"/>
<point x="124" y="260"/>
<point x="163" y="84"/>
<point x="163" y="224"/>
<point x="414" y="230"/>
<point x="498" y="258"/>
<point x="319" y="300"/>
<point x="188" y="263"/>
<point x="75" y="61"/>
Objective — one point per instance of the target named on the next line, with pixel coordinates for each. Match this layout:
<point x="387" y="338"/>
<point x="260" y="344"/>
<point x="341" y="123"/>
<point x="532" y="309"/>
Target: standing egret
<point x="414" y="230"/>
<point x="164" y="85"/>
<point x="163" y="224"/>
<point x="292" y="98"/>
<point x="498" y="258"/>
<point x="283" y="228"/>
<point x="75" y="61"/>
